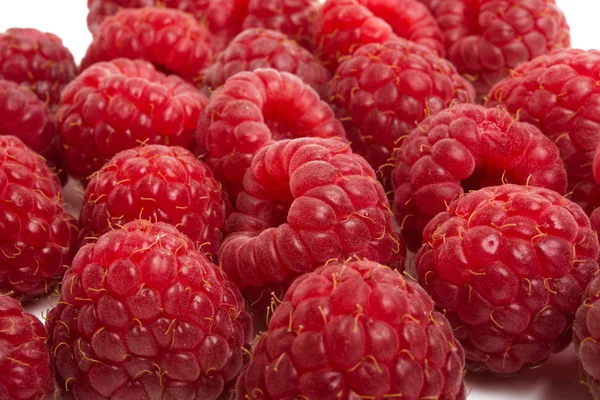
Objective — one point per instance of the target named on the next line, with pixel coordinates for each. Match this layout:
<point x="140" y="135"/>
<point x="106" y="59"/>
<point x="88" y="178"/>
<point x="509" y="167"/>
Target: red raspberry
<point x="294" y="18"/>
<point x="170" y="39"/>
<point x="558" y="93"/>
<point x="157" y="183"/>
<point x="355" y="330"/>
<point x="262" y="48"/>
<point x="587" y="337"/>
<point x="345" y="25"/>
<point x="144" y="315"/>
<point x="508" y="265"/>
<point x="305" y="202"/>
<point x="596" y="164"/>
<point x="465" y="148"/>
<point x="117" y="105"/>
<point x="250" y="111"/>
<point x="383" y="90"/>
<point x="24" y="359"/>
<point x="37" y="238"/>
<point x="36" y="60"/>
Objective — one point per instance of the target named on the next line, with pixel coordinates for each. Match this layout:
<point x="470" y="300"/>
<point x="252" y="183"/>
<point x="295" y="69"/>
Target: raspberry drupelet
<point x="355" y="330"/>
<point x="156" y="183"/>
<point x="263" y="48"/>
<point x="24" y="359"/>
<point x="120" y="104"/>
<point x="142" y="314"/>
<point x="306" y="201"/>
<point x="465" y="148"/>
<point x="558" y="93"/>
<point x="383" y="90"/>
<point x="37" y="238"/>
<point x="250" y="111"/>
<point x="509" y="265"/>
<point x="343" y="26"/>
<point x="586" y="337"/>
<point x="36" y="60"/>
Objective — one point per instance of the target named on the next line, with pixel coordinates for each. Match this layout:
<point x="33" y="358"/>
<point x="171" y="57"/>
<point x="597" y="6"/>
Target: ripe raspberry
<point x="156" y="183"/>
<point x="144" y="315"/>
<point x="250" y="111"/>
<point x="24" y="359"/>
<point x="294" y="18"/>
<point x="383" y="90"/>
<point x="596" y="164"/>
<point x="36" y="60"/>
<point x="586" y="337"/>
<point x="117" y="105"/>
<point x="465" y="148"/>
<point x="262" y="48"/>
<point x="170" y="39"/>
<point x="558" y="93"/>
<point x="344" y="25"/>
<point x="355" y="330"/>
<point x="305" y="202"/>
<point x="509" y="265"/>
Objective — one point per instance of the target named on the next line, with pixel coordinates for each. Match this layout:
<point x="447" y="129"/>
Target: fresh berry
<point x="465" y="148"/>
<point x="28" y="118"/>
<point x="263" y="48"/>
<point x="253" y="109"/>
<point x="383" y="90"/>
<point x="37" y="238"/>
<point x="156" y="183"/>
<point x="559" y="94"/>
<point x="356" y="330"/>
<point x="508" y="265"/>
<point x="344" y="25"/>
<point x="305" y="202"/>
<point x="587" y="337"/>
<point x="143" y="315"/>
<point x="174" y="41"/>
<point x="120" y="104"/>
<point x="38" y="61"/>
<point x="294" y="18"/>
<point x="596" y="164"/>
<point x="24" y="360"/>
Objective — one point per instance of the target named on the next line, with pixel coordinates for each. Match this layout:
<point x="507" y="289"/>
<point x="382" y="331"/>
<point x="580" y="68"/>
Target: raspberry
<point x="586" y="337"/>
<point x="345" y="25"/>
<point x="250" y="111"/>
<point x="157" y="183"/>
<point x="262" y="48"/>
<point x="558" y="93"/>
<point x="383" y="90"/>
<point x="465" y="148"/>
<point x="596" y="164"/>
<point x="172" y="40"/>
<point x="24" y="359"/>
<point x="305" y="202"/>
<point x="120" y="104"/>
<point x="294" y="18"/>
<point x="36" y="60"/>
<point x="508" y="265"/>
<point x="144" y="315"/>
<point x="37" y="238"/>
<point x="355" y="330"/>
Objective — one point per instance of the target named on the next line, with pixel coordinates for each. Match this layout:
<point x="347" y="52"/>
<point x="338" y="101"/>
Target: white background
<point x="558" y="379"/>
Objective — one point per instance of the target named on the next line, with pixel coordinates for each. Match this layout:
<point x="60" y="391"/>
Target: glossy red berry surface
<point x="37" y="237"/>
<point x="586" y="338"/>
<point x="384" y="90"/>
<point x="307" y="201"/>
<point x="465" y="148"/>
<point x="355" y="330"/>
<point x="24" y="359"/>
<point x="263" y="48"/>
<point x="344" y="25"/>
<point x="156" y="183"/>
<point x="596" y="164"/>
<point x="558" y="93"/>
<point x="509" y="265"/>
<point x="36" y="60"/>
<point x="253" y="109"/>
<point x="142" y="314"/>
<point x="120" y="104"/>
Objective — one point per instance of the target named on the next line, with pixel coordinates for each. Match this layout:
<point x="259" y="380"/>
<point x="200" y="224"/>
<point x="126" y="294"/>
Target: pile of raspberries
<point x="389" y="192"/>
